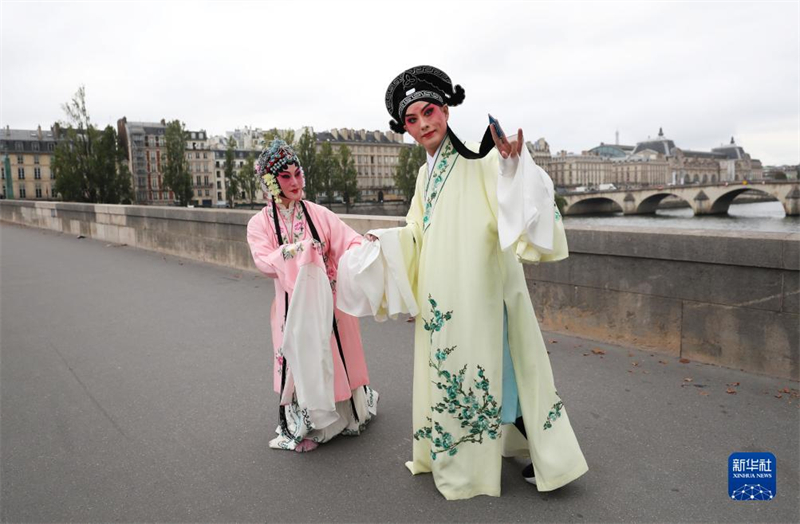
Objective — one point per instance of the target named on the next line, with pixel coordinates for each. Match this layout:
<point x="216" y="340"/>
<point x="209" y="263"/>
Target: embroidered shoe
<point x="528" y="474"/>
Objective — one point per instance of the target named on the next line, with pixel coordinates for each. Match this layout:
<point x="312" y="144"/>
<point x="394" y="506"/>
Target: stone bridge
<point x="704" y="199"/>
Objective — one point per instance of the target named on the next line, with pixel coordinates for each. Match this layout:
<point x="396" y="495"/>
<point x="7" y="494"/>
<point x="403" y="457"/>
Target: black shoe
<point x="529" y="475"/>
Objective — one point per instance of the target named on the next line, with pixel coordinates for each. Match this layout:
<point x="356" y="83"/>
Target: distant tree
<point x="247" y="179"/>
<point x="326" y="171"/>
<point x="561" y="202"/>
<point x="408" y="164"/>
<point x="89" y="165"/>
<point x="176" y="168"/>
<point x="272" y="134"/>
<point x="114" y="177"/>
<point x="232" y="186"/>
<point x="307" y="153"/>
<point x="346" y="176"/>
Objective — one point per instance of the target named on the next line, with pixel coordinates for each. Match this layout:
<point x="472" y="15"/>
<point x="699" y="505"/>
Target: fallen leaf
<point x="778" y="396"/>
<point x="687" y="379"/>
<point x="586" y="354"/>
<point x="786" y="390"/>
<point x="661" y="362"/>
<point x="630" y="354"/>
<point x="554" y="341"/>
<point x="601" y="352"/>
<point x="684" y="361"/>
<point x="704" y="393"/>
<point x="634" y="363"/>
<point x="630" y="371"/>
<point x="645" y="372"/>
<point x="734" y="384"/>
<point x="731" y="391"/>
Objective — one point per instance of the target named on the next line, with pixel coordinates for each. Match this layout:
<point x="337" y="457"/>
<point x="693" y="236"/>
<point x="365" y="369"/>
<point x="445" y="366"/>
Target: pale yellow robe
<point x="462" y="279"/>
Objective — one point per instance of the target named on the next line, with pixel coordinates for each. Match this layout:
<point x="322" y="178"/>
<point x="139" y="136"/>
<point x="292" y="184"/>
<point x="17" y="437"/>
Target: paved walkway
<point x="136" y="387"/>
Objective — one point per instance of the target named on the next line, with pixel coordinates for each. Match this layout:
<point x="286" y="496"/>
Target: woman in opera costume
<point x="483" y="387"/>
<point x="320" y="370"/>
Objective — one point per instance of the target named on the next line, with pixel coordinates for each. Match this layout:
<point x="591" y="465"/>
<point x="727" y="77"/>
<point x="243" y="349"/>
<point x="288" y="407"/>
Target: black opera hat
<point x="419" y="83"/>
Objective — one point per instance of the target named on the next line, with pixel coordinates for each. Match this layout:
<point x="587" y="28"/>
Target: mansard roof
<point x="731" y="152"/>
<point x="326" y="136"/>
<point x="662" y="146"/>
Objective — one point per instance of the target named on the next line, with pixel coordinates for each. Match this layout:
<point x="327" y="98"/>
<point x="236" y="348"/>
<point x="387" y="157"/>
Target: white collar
<point x="431" y="159"/>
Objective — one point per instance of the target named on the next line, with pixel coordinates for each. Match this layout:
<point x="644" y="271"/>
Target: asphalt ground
<point x="136" y="387"/>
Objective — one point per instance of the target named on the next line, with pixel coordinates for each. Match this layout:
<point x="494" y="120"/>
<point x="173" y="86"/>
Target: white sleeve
<point x="359" y="282"/>
<point x="399" y="296"/>
<point x="372" y="279"/>
<point x="307" y="344"/>
<point x="525" y="199"/>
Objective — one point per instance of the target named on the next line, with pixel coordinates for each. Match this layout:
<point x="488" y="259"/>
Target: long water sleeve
<point x="527" y="215"/>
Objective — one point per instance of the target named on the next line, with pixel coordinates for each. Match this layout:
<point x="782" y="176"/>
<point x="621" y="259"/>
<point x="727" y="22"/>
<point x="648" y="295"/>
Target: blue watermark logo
<point x="752" y="476"/>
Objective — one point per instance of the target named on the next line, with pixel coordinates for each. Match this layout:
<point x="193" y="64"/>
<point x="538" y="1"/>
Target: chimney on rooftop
<point x="39" y="131"/>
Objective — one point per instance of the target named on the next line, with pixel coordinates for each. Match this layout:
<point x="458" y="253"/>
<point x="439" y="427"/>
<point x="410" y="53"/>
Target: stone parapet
<point x="731" y="299"/>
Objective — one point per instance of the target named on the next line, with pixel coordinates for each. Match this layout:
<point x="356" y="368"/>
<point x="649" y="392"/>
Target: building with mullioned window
<point x="26" y="159"/>
<point x="146" y="144"/>
<point x="376" y="156"/>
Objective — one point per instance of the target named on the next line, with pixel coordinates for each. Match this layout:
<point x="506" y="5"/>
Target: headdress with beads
<point x="272" y="161"/>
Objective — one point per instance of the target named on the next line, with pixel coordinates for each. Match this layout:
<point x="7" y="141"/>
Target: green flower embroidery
<point x="558" y="213"/>
<point x="555" y="413"/>
<point x="476" y="410"/>
<point x="437" y="179"/>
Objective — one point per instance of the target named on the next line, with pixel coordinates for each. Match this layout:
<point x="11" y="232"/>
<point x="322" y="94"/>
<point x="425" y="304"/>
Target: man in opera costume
<point x="483" y="387"/>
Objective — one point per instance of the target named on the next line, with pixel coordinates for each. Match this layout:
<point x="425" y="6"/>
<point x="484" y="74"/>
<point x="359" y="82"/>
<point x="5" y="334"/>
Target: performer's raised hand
<point x="506" y="148"/>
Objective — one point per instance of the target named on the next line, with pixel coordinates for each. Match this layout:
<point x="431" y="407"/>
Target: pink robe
<point x="336" y="238"/>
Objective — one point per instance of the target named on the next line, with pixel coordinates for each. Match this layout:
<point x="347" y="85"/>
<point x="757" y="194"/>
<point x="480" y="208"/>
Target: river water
<point x="758" y="216"/>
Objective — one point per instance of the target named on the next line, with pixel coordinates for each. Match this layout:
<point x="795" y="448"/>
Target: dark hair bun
<point x="457" y="97"/>
<point x="397" y="127"/>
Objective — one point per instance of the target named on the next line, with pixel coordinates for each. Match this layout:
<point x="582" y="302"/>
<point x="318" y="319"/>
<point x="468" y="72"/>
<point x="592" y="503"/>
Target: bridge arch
<point x="593" y="205"/>
<point x="723" y="202"/>
<point x="650" y="204"/>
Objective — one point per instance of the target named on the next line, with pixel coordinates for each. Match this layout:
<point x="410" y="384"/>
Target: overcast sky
<point x="573" y="73"/>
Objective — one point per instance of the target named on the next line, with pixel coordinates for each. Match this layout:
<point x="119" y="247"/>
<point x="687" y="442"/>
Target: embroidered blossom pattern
<point x="289" y="251"/>
<point x="436" y="181"/>
<point x="293" y="215"/>
<point x="555" y="413"/>
<point x="476" y="410"/>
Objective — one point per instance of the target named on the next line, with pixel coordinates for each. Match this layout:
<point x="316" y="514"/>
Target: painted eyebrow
<point x="426" y="106"/>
